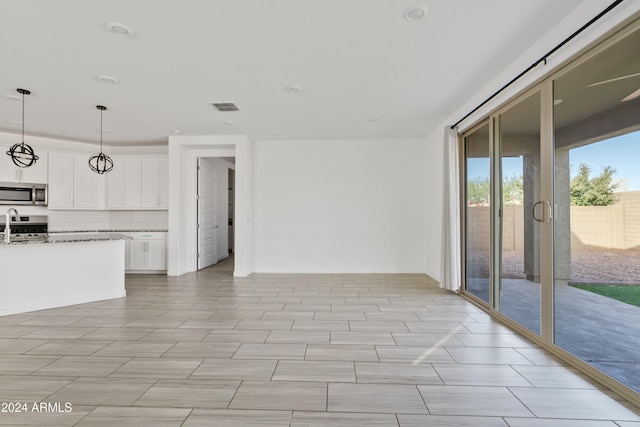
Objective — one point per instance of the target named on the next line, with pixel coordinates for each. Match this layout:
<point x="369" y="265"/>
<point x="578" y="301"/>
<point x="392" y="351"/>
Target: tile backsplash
<point x="73" y="220"/>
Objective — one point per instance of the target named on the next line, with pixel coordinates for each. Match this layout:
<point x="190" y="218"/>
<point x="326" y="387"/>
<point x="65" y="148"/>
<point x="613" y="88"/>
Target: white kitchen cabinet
<point x="34" y="174"/>
<point x="124" y="184"/>
<point x="147" y="252"/>
<point x="155" y="183"/>
<point x="72" y="185"/>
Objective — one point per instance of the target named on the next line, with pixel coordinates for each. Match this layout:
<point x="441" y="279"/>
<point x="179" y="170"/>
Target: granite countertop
<point x="71" y="239"/>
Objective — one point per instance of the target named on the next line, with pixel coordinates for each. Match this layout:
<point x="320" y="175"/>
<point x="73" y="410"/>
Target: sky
<point x="622" y="153"/>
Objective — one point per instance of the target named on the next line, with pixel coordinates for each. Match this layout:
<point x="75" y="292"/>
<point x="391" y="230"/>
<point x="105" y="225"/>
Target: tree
<point x="478" y="190"/>
<point x="596" y="191"/>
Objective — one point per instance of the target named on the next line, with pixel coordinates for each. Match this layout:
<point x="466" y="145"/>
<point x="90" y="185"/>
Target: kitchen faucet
<point x="7" y="227"/>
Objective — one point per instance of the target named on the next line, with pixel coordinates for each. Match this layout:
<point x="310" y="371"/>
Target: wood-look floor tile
<point x="375" y="398"/>
<point x="201" y="350"/>
<point x="555" y="422"/>
<point x="432" y="339"/>
<point x="134" y="417"/>
<point x="14" y="331"/>
<point x="157" y="368"/>
<point x="82" y="366"/>
<point x="265" y="324"/>
<point x="488" y="356"/>
<point x="298" y="337"/>
<point x="320" y="325"/>
<point x="371" y="338"/>
<point x="59" y="333"/>
<point x="413" y="354"/>
<point x="270" y="351"/>
<point x="281" y="395"/>
<point x="477" y="401"/>
<point x="342" y="352"/>
<point x="93" y="391"/>
<point x="23" y="364"/>
<point x="452" y="421"/>
<point x="571" y="403"/>
<point x="118" y="334"/>
<point x="19" y="345"/>
<point x="175" y="335"/>
<point x="29" y="388"/>
<point x="230" y="369"/>
<point x="38" y="419"/>
<point x="480" y="375"/>
<point x="376" y="326"/>
<point x="209" y="324"/>
<point x="70" y="347"/>
<point x="189" y="394"/>
<point x="338" y="316"/>
<point x="135" y="349"/>
<point x="493" y="340"/>
<point x="342" y="419"/>
<point x="237" y="418"/>
<point x="395" y="373"/>
<point x="237" y="336"/>
<point x="306" y="370"/>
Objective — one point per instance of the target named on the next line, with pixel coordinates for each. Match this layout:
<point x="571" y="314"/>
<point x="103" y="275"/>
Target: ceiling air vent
<point x="225" y="106"/>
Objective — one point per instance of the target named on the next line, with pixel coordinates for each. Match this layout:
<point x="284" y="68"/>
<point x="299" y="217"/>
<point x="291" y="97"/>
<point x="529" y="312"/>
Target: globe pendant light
<point x="22" y="154"/>
<point x="101" y="163"/>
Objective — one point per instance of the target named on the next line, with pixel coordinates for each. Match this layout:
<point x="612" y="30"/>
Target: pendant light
<point x="22" y="154"/>
<point x="100" y="163"/>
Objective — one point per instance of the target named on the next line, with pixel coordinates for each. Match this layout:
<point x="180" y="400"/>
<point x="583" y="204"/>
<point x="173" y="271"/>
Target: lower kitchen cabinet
<point x="147" y="252"/>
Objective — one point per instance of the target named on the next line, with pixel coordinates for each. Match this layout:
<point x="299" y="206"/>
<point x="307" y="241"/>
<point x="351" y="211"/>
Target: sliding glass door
<point x="552" y="210"/>
<point x="597" y="223"/>
<point x="521" y="212"/>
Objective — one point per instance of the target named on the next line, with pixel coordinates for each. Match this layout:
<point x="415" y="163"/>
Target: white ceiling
<point x="365" y="72"/>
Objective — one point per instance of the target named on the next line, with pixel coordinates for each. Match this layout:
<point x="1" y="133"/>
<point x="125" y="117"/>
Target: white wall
<point x="340" y="206"/>
<point x="434" y="141"/>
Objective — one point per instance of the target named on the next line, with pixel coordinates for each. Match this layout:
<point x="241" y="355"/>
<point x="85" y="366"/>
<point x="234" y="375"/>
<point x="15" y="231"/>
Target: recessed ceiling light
<point x="415" y="12"/>
<point x="557" y="101"/>
<point x="108" y="79"/>
<point x="373" y="119"/>
<point x="228" y="122"/>
<point x="293" y="89"/>
<point x="176" y="131"/>
<point x="15" y="122"/>
<point x="104" y="130"/>
<point x="13" y="97"/>
<point x="119" y="28"/>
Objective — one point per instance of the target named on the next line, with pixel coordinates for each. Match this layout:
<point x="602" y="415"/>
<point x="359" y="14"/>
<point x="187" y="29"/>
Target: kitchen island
<point x="61" y="270"/>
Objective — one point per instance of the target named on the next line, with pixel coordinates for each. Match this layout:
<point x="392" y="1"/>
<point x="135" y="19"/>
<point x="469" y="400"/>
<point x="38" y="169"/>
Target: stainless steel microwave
<point x="13" y="193"/>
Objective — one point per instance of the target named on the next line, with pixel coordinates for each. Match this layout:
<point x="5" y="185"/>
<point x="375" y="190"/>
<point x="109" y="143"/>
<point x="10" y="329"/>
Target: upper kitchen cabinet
<point x="155" y="183"/>
<point x="72" y="185"/>
<point x="35" y="174"/>
<point x="124" y="184"/>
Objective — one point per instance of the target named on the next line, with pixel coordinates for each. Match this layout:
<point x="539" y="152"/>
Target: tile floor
<point x="205" y="349"/>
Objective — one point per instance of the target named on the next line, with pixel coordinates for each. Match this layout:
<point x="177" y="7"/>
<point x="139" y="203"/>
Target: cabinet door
<point x="36" y="173"/>
<point x="132" y="182"/>
<point x="115" y="186"/>
<point x="60" y="180"/>
<point x="156" y="255"/>
<point x="150" y="187"/>
<point x="138" y="254"/>
<point x="85" y="184"/>
<point x="163" y="180"/>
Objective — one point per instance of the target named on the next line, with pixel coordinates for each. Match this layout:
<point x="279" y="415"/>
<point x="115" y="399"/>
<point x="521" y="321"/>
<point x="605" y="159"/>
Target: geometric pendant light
<point x="101" y="163"/>
<point x="22" y="154"/>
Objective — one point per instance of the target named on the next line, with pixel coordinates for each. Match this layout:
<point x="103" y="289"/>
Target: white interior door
<point x="207" y="221"/>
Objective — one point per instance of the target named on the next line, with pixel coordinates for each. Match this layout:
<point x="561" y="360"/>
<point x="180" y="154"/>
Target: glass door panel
<point x="521" y="212"/>
<point x="478" y="213"/>
<point x="597" y="211"/>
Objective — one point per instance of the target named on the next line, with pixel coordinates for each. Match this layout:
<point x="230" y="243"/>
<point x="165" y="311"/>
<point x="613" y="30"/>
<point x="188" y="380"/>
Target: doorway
<point x="215" y="209"/>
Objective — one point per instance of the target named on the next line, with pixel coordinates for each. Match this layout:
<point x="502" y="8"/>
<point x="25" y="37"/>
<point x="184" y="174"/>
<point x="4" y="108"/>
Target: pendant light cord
<point x="23" y="117"/>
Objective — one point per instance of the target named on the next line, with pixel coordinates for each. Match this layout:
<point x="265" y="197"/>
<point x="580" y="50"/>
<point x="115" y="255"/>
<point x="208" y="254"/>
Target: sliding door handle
<point x="533" y="211"/>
